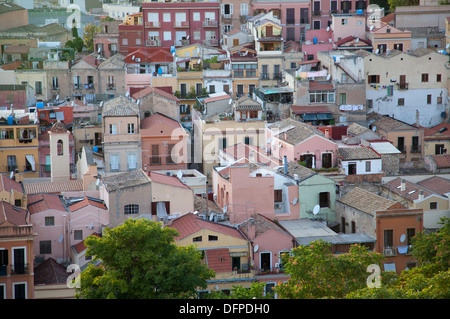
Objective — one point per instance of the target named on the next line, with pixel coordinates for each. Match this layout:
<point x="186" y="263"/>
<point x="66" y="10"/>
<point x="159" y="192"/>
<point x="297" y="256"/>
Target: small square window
<point x="433" y="205"/>
<point x="78" y="235"/>
<point x="49" y="221"/>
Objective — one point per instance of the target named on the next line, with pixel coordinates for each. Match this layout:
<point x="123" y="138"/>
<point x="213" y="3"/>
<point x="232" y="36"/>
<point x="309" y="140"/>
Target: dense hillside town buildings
<point x="250" y="127"/>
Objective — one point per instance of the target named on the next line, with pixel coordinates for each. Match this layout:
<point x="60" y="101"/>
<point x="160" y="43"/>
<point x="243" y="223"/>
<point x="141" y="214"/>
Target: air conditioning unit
<point x="278" y="205"/>
<point x="388" y="252"/>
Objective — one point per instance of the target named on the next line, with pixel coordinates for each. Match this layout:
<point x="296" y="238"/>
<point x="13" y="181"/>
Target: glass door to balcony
<point x="19" y="260"/>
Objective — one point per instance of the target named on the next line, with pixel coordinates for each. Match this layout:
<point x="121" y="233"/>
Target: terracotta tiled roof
<point x="189" y="224"/>
<point x="366" y="201"/>
<point x="7" y="184"/>
<point x="50" y="272"/>
<point x="55" y="187"/>
<point x="120" y="106"/>
<point x="442" y="161"/>
<point x="411" y="191"/>
<point x="217" y="98"/>
<point x="87" y="201"/>
<point x="81" y="246"/>
<point x="296" y="131"/>
<point x="166" y="180"/>
<point x="13" y="215"/>
<point x="40" y="202"/>
<point x="148" y="90"/>
<point x="434" y="132"/>
<point x="219" y="259"/>
<point x="357" y="153"/>
<point x="123" y="180"/>
<point x="437" y="184"/>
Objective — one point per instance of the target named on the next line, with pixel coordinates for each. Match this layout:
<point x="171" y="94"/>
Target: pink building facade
<point x="321" y="10"/>
<point x="59" y="227"/>
<point x="302" y="142"/>
<point x="181" y="23"/>
<point x="243" y="189"/>
<point x="164" y="143"/>
<point x="295" y="16"/>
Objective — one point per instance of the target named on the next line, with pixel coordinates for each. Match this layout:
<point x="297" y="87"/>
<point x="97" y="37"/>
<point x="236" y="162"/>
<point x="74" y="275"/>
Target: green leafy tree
<point x="89" y="31"/>
<point x="256" y="291"/>
<point x="316" y="273"/>
<point x="400" y="3"/>
<point x="77" y="44"/>
<point x="140" y="260"/>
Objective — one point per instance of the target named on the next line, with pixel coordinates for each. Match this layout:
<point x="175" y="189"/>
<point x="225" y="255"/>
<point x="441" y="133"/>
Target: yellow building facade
<point x="19" y="149"/>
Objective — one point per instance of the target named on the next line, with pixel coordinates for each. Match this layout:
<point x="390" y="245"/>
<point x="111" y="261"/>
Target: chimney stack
<point x="403" y="185"/>
<point x="421" y="195"/>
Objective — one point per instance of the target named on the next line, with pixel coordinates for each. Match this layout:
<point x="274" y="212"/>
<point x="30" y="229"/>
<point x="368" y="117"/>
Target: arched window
<point x="60" y="145"/>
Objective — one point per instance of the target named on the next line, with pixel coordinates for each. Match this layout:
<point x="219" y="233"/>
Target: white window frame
<point x="167" y="17"/>
<point x="111" y="168"/>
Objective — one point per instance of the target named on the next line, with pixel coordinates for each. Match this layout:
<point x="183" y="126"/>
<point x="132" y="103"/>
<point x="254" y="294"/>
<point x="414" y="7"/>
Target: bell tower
<point x="59" y="152"/>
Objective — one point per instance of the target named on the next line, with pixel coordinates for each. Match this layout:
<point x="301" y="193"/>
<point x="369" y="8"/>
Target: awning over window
<point x="309" y="117"/>
<point x="324" y="116"/>
<point x="316" y="116"/>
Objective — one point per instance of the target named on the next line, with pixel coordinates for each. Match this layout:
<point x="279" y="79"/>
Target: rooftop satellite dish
<point x="447" y="46"/>
<point x="357" y="40"/>
<point x="328" y="77"/>
<point x="294" y="202"/>
<point x="402" y="238"/>
<point x="97" y="182"/>
<point x="371" y="27"/>
<point x="256" y="248"/>
<point x="328" y="28"/>
<point x="377" y="51"/>
<point x="225" y="208"/>
<point x="211" y="217"/>
<point x="91" y="225"/>
<point x="11" y="175"/>
<point x="316" y="209"/>
<point x="57" y="98"/>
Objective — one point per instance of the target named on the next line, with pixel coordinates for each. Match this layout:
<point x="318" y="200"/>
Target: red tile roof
<point x="437" y="184"/>
<point x="189" y="224"/>
<point x="86" y="202"/>
<point x="166" y="180"/>
<point x="141" y="93"/>
<point x="81" y="246"/>
<point x="12" y="215"/>
<point x="434" y="133"/>
<point x="40" y="202"/>
<point x="442" y="161"/>
<point x="219" y="260"/>
<point x="217" y="98"/>
<point x="7" y="184"/>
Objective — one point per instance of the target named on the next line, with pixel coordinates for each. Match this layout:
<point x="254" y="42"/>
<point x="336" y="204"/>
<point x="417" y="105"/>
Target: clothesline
<point x="347" y="107"/>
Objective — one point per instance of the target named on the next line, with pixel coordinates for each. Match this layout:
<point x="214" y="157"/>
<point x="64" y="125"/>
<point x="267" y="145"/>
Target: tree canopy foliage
<point x="140" y="260"/>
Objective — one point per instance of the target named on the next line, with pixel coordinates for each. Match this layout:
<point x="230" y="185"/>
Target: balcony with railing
<point x="14" y="269"/>
<point x="402" y="86"/>
<point x="392" y="251"/>
<point x="153" y="43"/>
<point x="415" y="148"/>
<point x="152" y="24"/>
<point x="211" y="42"/>
<point x="181" y="24"/>
<point x="210" y="23"/>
